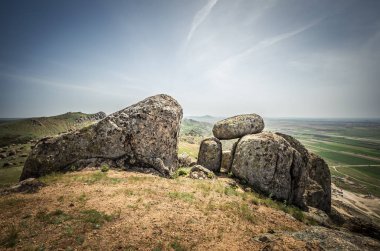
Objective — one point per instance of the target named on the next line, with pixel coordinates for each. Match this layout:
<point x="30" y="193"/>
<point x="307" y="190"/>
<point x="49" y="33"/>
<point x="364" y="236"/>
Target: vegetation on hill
<point x="24" y="130"/>
<point x="141" y="212"/>
<point x="191" y="127"/>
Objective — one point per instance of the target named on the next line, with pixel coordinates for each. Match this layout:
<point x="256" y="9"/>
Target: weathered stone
<point x="144" y="135"/>
<point x="281" y="166"/>
<point x="238" y="126"/>
<point x="210" y="154"/>
<point x="184" y="160"/>
<point x="226" y="161"/>
<point x="200" y="172"/>
<point x="30" y="185"/>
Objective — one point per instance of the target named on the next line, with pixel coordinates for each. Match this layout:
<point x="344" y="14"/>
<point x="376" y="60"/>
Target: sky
<point x="276" y="58"/>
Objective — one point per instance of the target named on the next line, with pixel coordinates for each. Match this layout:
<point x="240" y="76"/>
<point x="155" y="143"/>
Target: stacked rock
<point x="272" y="163"/>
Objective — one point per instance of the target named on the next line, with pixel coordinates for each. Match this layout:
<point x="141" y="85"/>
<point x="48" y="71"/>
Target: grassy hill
<point x="24" y="130"/>
<point x="191" y="127"/>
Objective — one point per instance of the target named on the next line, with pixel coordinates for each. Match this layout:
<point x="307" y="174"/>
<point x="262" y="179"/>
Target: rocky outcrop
<point x="201" y="173"/>
<point x="144" y="135"/>
<point x="210" y="154"/>
<point x="281" y="166"/>
<point x="91" y="117"/>
<point x="238" y="126"/>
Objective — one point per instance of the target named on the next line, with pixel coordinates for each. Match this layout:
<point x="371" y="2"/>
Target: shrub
<point x="105" y="168"/>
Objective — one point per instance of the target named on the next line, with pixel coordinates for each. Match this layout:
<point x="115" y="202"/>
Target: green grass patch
<point x="290" y="209"/>
<point x="95" y="218"/>
<point x="10" y="176"/>
<point x="10" y="203"/>
<point x="182" y="171"/>
<point x="184" y="196"/>
<point x="55" y="217"/>
<point x="230" y="191"/>
<point x="191" y="149"/>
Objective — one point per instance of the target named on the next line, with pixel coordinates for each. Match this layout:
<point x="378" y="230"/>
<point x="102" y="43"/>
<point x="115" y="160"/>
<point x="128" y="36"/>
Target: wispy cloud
<point x="270" y="42"/>
<point x="57" y="84"/>
<point x="223" y="71"/>
<point x="199" y="18"/>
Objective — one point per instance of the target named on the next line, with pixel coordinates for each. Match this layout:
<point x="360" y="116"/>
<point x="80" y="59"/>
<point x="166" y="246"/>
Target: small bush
<point x="182" y="171"/>
<point x="105" y="168"/>
<point x="230" y="191"/>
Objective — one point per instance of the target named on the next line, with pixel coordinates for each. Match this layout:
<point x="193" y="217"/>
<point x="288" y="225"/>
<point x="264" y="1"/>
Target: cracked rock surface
<point x="144" y="135"/>
<point x="280" y="166"/>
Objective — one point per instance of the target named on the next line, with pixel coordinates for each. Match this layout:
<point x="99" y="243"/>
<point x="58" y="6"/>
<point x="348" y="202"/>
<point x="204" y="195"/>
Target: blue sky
<point x="277" y="58"/>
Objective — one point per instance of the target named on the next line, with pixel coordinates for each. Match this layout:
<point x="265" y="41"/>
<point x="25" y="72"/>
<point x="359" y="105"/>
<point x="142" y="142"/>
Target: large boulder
<point x="144" y="135"/>
<point x="281" y="166"/>
<point x="238" y="126"/>
<point x="210" y="154"/>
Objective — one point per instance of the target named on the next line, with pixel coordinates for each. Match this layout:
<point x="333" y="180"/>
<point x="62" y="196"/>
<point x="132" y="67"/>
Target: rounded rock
<point x="238" y="126"/>
<point x="210" y="154"/>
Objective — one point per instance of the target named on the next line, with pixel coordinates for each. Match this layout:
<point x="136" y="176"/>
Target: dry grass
<point x="93" y="210"/>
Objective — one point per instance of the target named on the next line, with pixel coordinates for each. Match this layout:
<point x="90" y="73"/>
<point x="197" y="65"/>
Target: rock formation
<point x="201" y="173"/>
<point x="274" y="163"/>
<point x="144" y="135"/>
<point x="210" y="154"/>
<point x="238" y="126"/>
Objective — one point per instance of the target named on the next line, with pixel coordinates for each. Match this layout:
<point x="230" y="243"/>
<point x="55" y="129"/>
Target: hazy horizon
<point x="279" y="59"/>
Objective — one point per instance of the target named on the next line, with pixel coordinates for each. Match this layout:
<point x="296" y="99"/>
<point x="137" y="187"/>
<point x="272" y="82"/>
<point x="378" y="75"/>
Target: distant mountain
<point x="23" y="130"/>
<point x="205" y="118"/>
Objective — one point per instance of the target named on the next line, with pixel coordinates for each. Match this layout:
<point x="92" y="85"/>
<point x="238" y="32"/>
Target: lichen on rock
<point x="144" y="135"/>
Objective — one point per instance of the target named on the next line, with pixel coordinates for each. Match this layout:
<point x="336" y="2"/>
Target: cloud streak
<point x="199" y="18"/>
<point x="270" y="42"/>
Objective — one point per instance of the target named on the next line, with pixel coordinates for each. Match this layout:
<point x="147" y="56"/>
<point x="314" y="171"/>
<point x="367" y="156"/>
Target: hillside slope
<point x="23" y="130"/>
<point x="119" y="210"/>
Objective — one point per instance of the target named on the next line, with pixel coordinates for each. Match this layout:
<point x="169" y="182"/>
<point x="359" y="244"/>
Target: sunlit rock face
<point x="238" y="126"/>
<point x="280" y="166"/>
<point x="210" y="154"/>
<point x="144" y="135"/>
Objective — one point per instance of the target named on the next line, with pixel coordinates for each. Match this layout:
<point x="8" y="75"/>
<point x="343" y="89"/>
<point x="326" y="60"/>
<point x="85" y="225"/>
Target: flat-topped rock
<point x="144" y="135"/>
<point x="238" y="126"/>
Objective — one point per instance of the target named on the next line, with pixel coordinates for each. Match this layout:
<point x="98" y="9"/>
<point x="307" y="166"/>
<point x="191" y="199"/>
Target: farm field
<point x="350" y="147"/>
